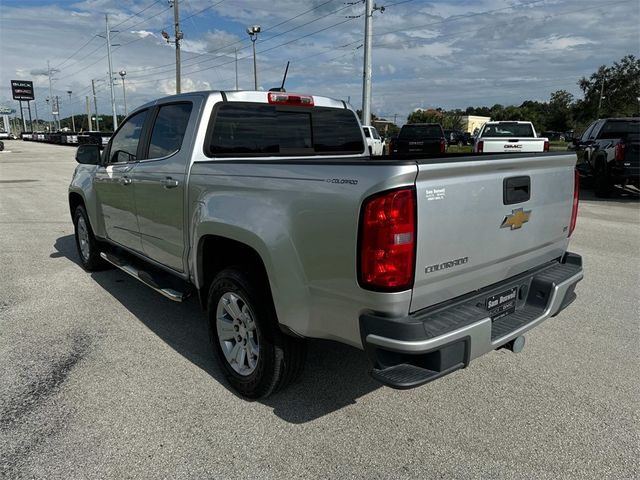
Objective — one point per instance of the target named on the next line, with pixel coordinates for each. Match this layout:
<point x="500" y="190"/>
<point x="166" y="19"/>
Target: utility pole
<point x="176" y="41"/>
<point x="89" y="113"/>
<point x="50" y="94"/>
<point x="178" y="33"/>
<point x="113" y="97"/>
<point x="35" y="105"/>
<point x="95" y="104"/>
<point x="600" y="99"/>
<point x="395" y="116"/>
<point x="366" y="73"/>
<point x="236" y="50"/>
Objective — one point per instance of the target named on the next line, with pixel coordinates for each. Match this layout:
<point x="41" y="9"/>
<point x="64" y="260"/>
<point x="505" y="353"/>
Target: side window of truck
<point x="124" y="145"/>
<point x="169" y="129"/>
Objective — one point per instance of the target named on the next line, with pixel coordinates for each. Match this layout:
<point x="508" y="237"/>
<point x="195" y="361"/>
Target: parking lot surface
<point x="100" y="377"/>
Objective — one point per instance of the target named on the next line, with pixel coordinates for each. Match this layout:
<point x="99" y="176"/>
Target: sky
<point x="426" y="54"/>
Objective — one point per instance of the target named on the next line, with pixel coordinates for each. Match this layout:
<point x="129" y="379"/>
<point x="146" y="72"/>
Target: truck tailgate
<point x="512" y="145"/>
<point x="476" y="227"/>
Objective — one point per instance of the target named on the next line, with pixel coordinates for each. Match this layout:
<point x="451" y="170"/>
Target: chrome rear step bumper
<point x="424" y="346"/>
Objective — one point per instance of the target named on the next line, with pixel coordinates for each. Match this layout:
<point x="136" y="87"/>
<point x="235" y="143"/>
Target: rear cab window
<point x="504" y="130"/>
<point x="258" y="129"/>
<point x="419" y="132"/>
<point x="619" y="129"/>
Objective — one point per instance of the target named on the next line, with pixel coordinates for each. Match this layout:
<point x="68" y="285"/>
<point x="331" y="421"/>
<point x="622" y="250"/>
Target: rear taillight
<point x="281" y="98"/>
<point x="387" y="241"/>
<point x="545" y="148"/>
<point x="443" y="145"/>
<point x="574" y="209"/>
<point x="480" y="148"/>
<point x="620" y="152"/>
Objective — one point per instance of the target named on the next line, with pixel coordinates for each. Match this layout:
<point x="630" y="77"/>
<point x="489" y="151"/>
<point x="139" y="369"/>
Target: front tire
<point x="257" y="358"/>
<point x="86" y="243"/>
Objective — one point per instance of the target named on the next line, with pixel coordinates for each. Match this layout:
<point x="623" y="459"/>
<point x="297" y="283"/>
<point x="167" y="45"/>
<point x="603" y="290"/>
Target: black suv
<point x="609" y="151"/>
<point x="420" y="138"/>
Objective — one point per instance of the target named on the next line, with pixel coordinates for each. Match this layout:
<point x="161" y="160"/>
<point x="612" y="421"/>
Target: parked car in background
<point x="420" y="138"/>
<point x="454" y="137"/>
<point x="609" y="152"/>
<point x="511" y="136"/>
<point x="374" y="141"/>
<point x="554" y="136"/>
<point x="4" y="136"/>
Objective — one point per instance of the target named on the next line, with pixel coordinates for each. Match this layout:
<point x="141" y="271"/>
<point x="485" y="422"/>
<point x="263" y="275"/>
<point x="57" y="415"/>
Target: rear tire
<point x="86" y="243"/>
<point x="257" y="358"/>
<point x="602" y="184"/>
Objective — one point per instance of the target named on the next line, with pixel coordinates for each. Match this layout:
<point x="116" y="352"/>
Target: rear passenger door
<point x="160" y="184"/>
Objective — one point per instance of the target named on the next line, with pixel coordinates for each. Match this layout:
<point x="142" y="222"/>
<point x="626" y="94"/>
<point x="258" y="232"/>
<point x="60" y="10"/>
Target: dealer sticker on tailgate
<point x="503" y="303"/>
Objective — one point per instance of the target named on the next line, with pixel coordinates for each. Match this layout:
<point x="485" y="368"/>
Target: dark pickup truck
<point x="609" y="152"/>
<point x="420" y="138"/>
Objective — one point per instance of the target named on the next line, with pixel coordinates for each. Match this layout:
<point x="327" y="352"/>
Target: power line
<point x="266" y="40"/>
<point x="74" y="53"/>
<point x="136" y="14"/>
<point x="210" y="53"/>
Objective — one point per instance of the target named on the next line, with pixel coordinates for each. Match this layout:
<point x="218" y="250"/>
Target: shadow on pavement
<point x="335" y="375"/>
<point x="619" y="194"/>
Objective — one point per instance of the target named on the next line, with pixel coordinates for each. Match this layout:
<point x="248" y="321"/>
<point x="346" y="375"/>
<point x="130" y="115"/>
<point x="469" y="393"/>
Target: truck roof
<point x="252" y="96"/>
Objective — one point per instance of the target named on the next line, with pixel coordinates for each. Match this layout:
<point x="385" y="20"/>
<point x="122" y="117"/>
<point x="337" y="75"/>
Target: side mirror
<point x="88" y="154"/>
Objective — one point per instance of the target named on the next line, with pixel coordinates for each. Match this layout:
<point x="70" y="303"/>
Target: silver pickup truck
<point x="267" y="206"/>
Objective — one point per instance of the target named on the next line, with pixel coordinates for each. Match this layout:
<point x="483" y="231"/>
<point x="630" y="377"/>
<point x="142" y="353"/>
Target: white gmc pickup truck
<point x="514" y="137"/>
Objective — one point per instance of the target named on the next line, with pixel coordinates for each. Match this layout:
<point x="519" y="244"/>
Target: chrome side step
<point x="145" y="278"/>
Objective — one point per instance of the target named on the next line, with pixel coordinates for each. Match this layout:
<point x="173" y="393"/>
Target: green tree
<point x="559" y="112"/>
<point x="620" y="87"/>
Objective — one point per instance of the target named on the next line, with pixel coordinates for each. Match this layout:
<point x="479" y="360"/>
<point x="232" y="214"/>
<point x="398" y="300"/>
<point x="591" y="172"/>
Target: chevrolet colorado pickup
<point x="511" y="136"/>
<point x="609" y="152"/>
<point x="268" y="207"/>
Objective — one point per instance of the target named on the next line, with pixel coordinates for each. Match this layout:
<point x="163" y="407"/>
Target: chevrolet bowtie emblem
<point x="517" y="218"/>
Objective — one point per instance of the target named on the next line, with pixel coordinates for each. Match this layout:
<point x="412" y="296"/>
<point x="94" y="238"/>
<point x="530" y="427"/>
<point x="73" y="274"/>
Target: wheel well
<point x="217" y="253"/>
<point x="75" y="199"/>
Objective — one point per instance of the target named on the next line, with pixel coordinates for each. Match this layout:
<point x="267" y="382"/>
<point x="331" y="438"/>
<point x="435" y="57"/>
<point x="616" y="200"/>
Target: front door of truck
<point x="114" y="187"/>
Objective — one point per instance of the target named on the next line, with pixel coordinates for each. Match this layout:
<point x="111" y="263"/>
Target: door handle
<point x="169" y="182"/>
<point x="125" y="180"/>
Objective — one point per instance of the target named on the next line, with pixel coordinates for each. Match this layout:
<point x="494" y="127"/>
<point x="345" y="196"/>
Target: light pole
<point x="73" y="120"/>
<point x="47" y="100"/>
<point x="124" y="91"/>
<point x="253" y="32"/>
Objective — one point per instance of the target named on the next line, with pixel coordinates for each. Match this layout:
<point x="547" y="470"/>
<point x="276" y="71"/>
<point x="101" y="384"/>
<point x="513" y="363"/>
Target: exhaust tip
<point x="516" y="345"/>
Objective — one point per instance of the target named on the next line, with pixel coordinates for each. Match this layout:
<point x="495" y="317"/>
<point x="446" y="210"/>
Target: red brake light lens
<point x="546" y="147"/>
<point x="480" y="146"/>
<point x="574" y="209"/>
<point x="620" y="152"/>
<point x="443" y="145"/>
<point x="387" y="241"/>
<point x="281" y="98"/>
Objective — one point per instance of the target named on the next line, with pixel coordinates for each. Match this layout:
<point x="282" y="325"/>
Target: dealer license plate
<point x="502" y="304"/>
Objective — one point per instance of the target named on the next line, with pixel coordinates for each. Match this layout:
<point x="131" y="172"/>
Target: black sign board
<point x="22" y="89"/>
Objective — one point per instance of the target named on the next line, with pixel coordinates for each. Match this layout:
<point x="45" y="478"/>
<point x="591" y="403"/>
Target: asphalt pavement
<point x="100" y="377"/>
